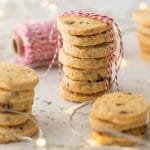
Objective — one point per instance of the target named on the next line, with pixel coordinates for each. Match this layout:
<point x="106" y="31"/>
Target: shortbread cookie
<point x="17" y="77"/>
<point x="15" y="133"/>
<point x="144" y="42"/>
<point x="144" y="38"/>
<point x="142" y="16"/>
<point x="144" y="30"/>
<point x="78" y="25"/>
<point x="77" y="97"/>
<point x="82" y="63"/>
<point x="145" y="55"/>
<point x="120" y="108"/>
<point x="83" y="87"/>
<point x="98" y="124"/>
<point x="96" y="51"/>
<point x="145" y="48"/>
<point x="86" y="75"/>
<point x="23" y="105"/>
<point x="16" y="100"/>
<point x="108" y="139"/>
<point x="86" y="40"/>
<point x="13" y="119"/>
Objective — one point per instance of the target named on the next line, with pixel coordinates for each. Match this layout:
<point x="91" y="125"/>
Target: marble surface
<point x="49" y="107"/>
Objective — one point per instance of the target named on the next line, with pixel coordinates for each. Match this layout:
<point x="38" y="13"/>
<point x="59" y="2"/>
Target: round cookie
<point x="98" y="124"/>
<point x="107" y="139"/>
<point x="13" y="119"/>
<point x="78" y="25"/>
<point x="77" y="97"/>
<point x="145" y="55"/>
<point x="143" y="38"/>
<point x="144" y="30"/>
<point x="144" y="43"/>
<point x="16" y="100"/>
<point x="86" y="75"/>
<point x="17" y="77"/>
<point x="120" y="108"/>
<point x="142" y="16"/>
<point x="18" y="106"/>
<point x="86" y="40"/>
<point x="145" y="48"/>
<point x="96" y="51"/>
<point x="83" y="87"/>
<point x="82" y="63"/>
<point x="13" y="133"/>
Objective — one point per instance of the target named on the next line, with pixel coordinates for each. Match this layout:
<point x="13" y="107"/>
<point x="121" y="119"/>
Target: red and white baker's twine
<point x="113" y="58"/>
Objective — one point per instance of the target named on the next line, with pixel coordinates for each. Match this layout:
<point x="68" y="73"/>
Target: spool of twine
<point x="35" y="43"/>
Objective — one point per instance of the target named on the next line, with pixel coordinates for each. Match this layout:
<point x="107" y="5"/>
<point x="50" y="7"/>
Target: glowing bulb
<point x="115" y="29"/>
<point x="70" y="110"/>
<point x="142" y="6"/>
<point x="44" y="3"/>
<point x="40" y="142"/>
<point x="92" y="143"/>
<point x="1" y="14"/>
<point x="52" y="7"/>
<point x="123" y="63"/>
<point x="3" y="1"/>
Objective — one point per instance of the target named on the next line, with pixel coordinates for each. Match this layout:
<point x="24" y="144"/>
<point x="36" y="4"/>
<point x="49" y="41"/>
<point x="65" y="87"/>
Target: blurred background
<point x="134" y="74"/>
<point x="16" y="11"/>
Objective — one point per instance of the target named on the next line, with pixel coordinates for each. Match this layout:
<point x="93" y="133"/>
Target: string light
<point x="53" y="8"/>
<point x="1" y="14"/>
<point x="124" y="63"/>
<point x="2" y="4"/>
<point x="143" y="6"/>
<point x="44" y="3"/>
<point x="3" y="1"/>
<point x="92" y="143"/>
<point x="71" y="110"/>
<point x="40" y="142"/>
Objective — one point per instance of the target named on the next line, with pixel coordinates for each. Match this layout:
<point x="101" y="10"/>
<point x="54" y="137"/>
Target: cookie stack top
<point x="120" y="108"/>
<point x="124" y="112"/>
<point x="17" y="77"/>
<point x="78" y="25"/>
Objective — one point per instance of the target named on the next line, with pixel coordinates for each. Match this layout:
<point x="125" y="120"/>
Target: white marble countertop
<point x="49" y="107"/>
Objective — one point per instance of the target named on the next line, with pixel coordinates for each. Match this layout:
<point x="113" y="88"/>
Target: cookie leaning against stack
<point x="124" y="112"/>
<point x="143" y="18"/>
<point x="84" y="56"/>
<point x="16" y="93"/>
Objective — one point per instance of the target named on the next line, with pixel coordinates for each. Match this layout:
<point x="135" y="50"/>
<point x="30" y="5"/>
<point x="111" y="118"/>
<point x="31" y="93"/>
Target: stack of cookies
<point x="84" y="56"/>
<point x="16" y="95"/>
<point x="123" y="112"/>
<point x="142" y="16"/>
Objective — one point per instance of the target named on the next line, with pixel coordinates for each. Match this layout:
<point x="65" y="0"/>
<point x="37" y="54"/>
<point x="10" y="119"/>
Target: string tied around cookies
<point x="114" y="58"/>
